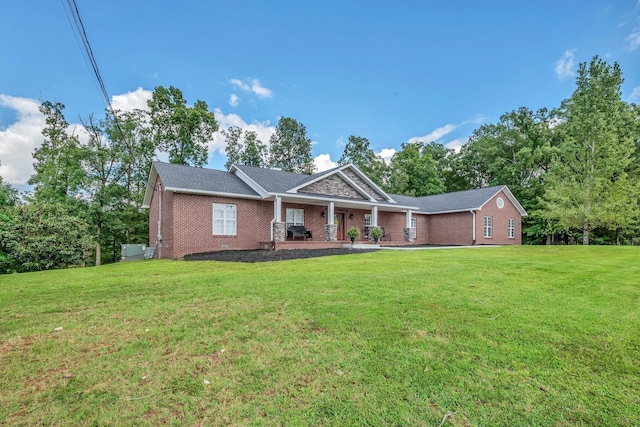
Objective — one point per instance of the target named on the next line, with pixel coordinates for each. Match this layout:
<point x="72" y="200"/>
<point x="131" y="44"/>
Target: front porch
<point x="310" y="244"/>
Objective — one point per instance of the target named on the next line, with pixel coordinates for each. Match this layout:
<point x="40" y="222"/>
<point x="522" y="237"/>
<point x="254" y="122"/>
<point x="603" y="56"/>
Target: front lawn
<point x="482" y="336"/>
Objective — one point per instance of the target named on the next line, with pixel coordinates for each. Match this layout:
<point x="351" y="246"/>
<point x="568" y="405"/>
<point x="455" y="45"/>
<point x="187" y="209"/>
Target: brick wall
<point x="457" y="228"/>
<point x="450" y="229"/>
<point x="500" y="222"/>
<point x="313" y="220"/>
<point x="193" y="224"/>
<point x="187" y="224"/>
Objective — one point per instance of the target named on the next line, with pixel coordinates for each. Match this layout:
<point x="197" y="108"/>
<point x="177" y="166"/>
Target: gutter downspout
<point x="159" y="236"/>
<point x="473" y="214"/>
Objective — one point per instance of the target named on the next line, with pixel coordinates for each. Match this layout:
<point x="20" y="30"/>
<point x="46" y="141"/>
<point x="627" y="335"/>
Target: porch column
<point x="330" y="229"/>
<point x="278" y="231"/>
<point x="374" y="216"/>
<point x="409" y="232"/>
<point x="278" y="208"/>
<point x="330" y="212"/>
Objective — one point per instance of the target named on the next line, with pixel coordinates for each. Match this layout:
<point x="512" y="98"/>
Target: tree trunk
<point x="98" y="251"/>
<point x="585" y="235"/>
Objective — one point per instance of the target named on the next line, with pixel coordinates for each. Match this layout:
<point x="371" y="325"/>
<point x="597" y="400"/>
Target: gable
<point x="364" y="185"/>
<point x="333" y="185"/>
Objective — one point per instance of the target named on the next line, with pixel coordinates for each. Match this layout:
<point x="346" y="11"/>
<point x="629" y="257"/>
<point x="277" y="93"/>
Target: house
<point x="195" y="210"/>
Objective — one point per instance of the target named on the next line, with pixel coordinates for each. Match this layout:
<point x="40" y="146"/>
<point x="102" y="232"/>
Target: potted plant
<point x="353" y="233"/>
<point x="376" y="233"/>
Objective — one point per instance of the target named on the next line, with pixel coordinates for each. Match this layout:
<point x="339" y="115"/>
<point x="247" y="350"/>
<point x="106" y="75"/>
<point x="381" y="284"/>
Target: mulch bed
<point x="264" y="256"/>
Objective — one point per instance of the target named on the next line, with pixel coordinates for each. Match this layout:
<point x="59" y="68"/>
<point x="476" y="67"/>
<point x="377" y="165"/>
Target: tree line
<point x="574" y="168"/>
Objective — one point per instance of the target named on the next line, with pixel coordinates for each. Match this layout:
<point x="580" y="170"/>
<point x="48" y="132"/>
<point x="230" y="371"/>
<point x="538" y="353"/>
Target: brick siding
<point x="500" y="219"/>
<point x="187" y="224"/>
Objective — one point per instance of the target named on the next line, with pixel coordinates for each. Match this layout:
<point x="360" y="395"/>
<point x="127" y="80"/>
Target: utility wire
<point x="77" y="26"/>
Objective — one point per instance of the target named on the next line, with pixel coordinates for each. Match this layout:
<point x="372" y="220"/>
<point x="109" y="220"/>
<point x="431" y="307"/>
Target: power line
<point x="77" y="26"/>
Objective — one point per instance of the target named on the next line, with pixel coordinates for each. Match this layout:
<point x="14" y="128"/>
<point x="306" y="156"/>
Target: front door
<point x="341" y="230"/>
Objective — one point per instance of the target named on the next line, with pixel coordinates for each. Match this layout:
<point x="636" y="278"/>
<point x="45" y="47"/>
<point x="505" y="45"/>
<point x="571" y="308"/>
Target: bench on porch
<point x="294" y="231"/>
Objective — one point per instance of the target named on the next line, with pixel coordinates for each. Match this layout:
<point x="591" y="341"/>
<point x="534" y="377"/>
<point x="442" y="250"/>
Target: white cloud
<point x="323" y="162"/>
<point x="435" y="135"/>
<point x="260" y="90"/>
<point x="456" y="144"/>
<point x="634" y="41"/>
<point x="20" y="139"/>
<point x="635" y="94"/>
<point x="132" y="100"/>
<point x="262" y="129"/>
<point x="253" y="86"/>
<point x="387" y="154"/>
<point x="234" y="100"/>
<point x="565" y="65"/>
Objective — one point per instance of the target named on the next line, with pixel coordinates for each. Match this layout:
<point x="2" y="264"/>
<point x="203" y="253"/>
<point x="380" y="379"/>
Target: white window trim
<point x="293" y="212"/>
<point x="229" y="225"/>
<point x="367" y="220"/>
<point x="414" y="223"/>
<point x="511" y="228"/>
<point x="488" y="227"/>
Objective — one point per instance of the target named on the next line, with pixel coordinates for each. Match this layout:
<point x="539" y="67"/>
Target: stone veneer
<point x="279" y="234"/>
<point x="332" y="186"/>
<point x="360" y="182"/>
<point x="331" y="232"/>
<point x="409" y="234"/>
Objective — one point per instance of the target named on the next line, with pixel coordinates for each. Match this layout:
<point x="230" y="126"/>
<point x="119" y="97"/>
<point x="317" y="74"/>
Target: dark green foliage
<point x="593" y="180"/>
<point x="58" y="161"/>
<point x="250" y="152"/>
<point x="42" y="236"/>
<point x="180" y="130"/>
<point x="290" y="148"/>
<point x="8" y="195"/>
<point x="515" y="152"/>
<point x="358" y="152"/>
<point x="416" y="170"/>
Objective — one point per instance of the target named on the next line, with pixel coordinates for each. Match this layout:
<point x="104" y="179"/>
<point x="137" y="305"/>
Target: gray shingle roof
<point x="451" y="202"/>
<point x="201" y="179"/>
<point x="273" y="181"/>
<point x="189" y="178"/>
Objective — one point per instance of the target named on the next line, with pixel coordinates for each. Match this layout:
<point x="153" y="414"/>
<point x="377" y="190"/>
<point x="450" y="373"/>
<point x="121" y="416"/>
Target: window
<point x="224" y="219"/>
<point x="488" y="227"/>
<point x="511" y="229"/>
<point x="295" y="217"/>
<point x="414" y="223"/>
<point x="367" y="220"/>
<point x="500" y="202"/>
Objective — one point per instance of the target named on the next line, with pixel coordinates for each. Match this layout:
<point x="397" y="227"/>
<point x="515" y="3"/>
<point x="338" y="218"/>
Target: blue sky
<point x="391" y="72"/>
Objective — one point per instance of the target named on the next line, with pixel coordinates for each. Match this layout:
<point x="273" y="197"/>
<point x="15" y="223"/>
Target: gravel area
<point x="264" y="256"/>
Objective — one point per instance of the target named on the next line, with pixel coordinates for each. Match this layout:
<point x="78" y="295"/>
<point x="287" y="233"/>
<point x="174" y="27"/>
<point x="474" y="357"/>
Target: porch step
<point x="361" y="246"/>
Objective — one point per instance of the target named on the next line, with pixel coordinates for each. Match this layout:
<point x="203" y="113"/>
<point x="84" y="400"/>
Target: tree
<point x="250" y="152"/>
<point x="8" y="195"/>
<point x="180" y="130"/>
<point x="104" y="194"/>
<point x="43" y="236"/>
<point x="589" y="184"/>
<point x="358" y="152"/>
<point x="516" y="152"/>
<point x="290" y="148"/>
<point x="58" y="169"/>
<point x="414" y="171"/>
<point x="137" y="151"/>
<point x="255" y="151"/>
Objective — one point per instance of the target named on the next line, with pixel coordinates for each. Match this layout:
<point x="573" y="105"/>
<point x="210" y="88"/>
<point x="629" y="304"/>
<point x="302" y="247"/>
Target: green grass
<point x="491" y="336"/>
